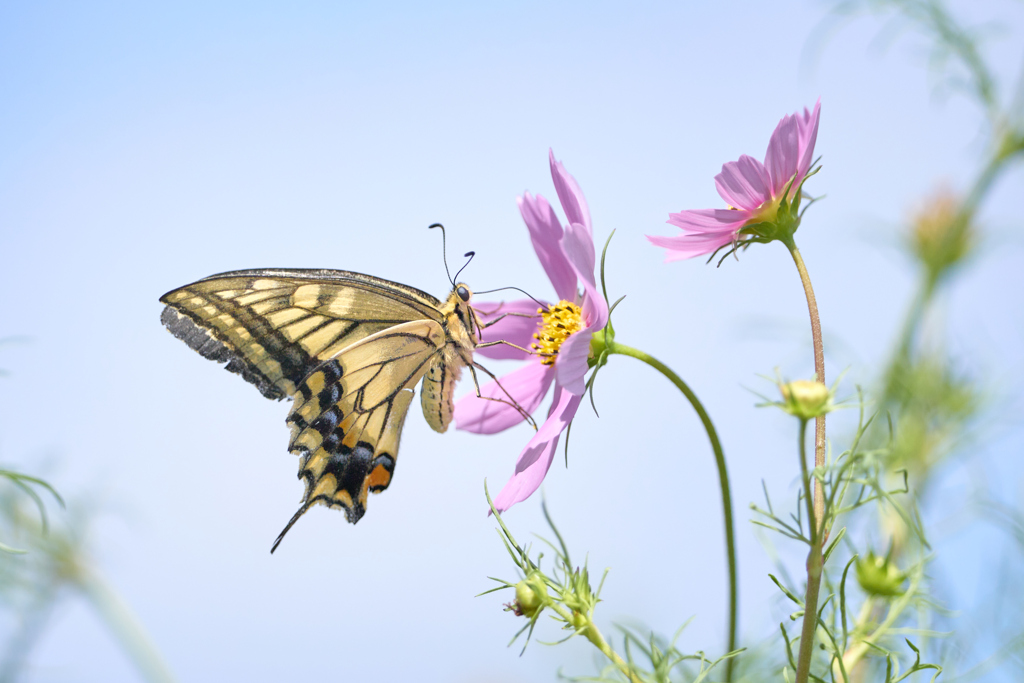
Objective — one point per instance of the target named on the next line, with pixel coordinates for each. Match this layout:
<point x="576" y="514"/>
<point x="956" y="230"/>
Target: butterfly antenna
<point x="291" y="522"/>
<point x="444" y="256"/>
<point x="491" y="291"/>
<point x="469" y="255"/>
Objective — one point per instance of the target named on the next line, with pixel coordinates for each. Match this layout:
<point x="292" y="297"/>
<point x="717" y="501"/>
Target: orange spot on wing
<point x="379" y="478"/>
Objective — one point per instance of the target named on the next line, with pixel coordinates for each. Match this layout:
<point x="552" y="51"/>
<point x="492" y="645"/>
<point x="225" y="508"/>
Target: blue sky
<point x="148" y="146"/>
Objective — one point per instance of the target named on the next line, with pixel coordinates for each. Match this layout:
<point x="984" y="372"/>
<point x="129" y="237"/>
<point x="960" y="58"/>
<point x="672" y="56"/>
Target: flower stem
<point x="814" y="566"/>
<point x="126" y="628"/>
<point x="816" y="512"/>
<point x="723" y="479"/>
<point x="591" y="632"/>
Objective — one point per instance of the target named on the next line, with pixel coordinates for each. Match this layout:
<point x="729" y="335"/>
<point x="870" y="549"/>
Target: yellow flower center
<point x="558" y="322"/>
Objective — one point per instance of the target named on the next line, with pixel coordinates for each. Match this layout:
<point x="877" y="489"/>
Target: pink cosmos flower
<point x="559" y="335"/>
<point x="752" y="190"/>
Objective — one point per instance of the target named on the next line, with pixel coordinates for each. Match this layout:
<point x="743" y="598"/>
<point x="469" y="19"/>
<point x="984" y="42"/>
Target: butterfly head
<point x="460" y="322"/>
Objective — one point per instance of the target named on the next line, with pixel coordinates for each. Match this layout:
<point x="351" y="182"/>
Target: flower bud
<point x="879" y="577"/>
<point x="531" y="596"/>
<point x="941" y="235"/>
<point x="579" y="620"/>
<point x="805" y="398"/>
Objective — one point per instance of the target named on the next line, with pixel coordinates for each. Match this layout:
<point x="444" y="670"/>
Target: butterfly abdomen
<point x="437" y="391"/>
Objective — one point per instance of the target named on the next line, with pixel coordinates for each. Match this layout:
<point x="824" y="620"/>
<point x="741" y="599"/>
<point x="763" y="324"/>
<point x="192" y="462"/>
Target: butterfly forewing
<point x="274" y="327"/>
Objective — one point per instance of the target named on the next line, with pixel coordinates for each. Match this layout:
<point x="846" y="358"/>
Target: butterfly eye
<point x="463" y="293"/>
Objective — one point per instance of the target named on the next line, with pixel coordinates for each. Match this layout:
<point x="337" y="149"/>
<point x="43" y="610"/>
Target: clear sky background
<point x="145" y="146"/>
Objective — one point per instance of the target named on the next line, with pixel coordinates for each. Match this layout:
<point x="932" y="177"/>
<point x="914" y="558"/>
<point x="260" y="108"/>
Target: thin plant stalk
<point x="723" y="479"/>
<point x="816" y="511"/>
<point x="126" y="628"/>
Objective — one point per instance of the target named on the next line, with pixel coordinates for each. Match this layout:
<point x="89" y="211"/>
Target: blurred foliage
<point x="54" y="566"/>
<point x="27" y="486"/>
<point x="49" y="563"/>
<point x="934" y="408"/>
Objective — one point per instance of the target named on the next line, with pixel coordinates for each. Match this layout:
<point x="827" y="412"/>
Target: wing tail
<point x="290" y="524"/>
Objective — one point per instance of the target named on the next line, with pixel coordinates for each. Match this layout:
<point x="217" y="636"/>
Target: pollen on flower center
<point x="557" y="324"/>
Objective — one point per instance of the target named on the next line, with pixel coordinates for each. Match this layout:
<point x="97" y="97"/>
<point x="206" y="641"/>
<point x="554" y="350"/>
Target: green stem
<point x="723" y="479"/>
<point x="819" y="371"/>
<point x="126" y="628"/>
<point x="1008" y="146"/>
<point x="812" y="516"/>
<point x="590" y="631"/>
<point x="817" y="513"/>
<point x="814" y="566"/>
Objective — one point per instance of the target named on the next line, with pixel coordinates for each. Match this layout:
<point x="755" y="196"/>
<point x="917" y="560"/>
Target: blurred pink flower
<point x="559" y="334"/>
<point x="752" y="190"/>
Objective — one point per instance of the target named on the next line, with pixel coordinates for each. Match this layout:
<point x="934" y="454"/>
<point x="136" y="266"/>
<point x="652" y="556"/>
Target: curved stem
<point x="723" y="479"/>
<point x="819" y="532"/>
<point x="819" y="371"/>
<point x="812" y="515"/>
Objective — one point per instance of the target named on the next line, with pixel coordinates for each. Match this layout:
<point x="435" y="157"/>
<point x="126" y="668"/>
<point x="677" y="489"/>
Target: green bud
<point x="531" y="596"/>
<point x="879" y="577"/>
<point x="805" y="398"/>
<point x="942" y="235"/>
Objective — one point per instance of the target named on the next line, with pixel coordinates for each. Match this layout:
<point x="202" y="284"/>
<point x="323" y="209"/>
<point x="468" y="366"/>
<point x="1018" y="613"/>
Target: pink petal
<point x="536" y="458"/>
<point x="808" y="136"/>
<point x="578" y="247"/>
<point x="527" y="386"/>
<point x="706" y="231"/>
<point x="514" y="329"/>
<point x="546" y="234"/>
<point x="783" y="153"/>
<point x="744" y="183"/>
<point x="711" y="221"/>
<point x="569" y="194"/>
<point x="687" y="246"/>
<point x="571" y="365"/>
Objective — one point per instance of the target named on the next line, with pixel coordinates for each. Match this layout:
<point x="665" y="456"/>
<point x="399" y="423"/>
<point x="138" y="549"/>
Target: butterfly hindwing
<point x="348" y="414"/>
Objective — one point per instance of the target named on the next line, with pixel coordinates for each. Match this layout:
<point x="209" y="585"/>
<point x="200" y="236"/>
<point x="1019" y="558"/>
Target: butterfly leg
<point x="511" y="401"/>
<point x="483" y="326"/>
<point x="502" y="341"/>
<point x="505" y="315"/>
